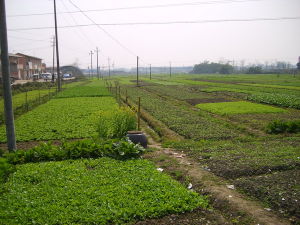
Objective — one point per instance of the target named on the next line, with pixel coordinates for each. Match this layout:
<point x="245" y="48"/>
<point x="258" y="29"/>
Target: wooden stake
<point x="139" y="114"/>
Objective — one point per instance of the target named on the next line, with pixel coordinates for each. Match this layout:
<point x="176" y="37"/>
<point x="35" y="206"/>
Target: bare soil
<point x="236" y="203"/>
<point x="196" y="101"/>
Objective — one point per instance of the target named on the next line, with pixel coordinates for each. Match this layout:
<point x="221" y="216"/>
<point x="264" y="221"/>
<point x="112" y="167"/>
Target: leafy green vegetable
<point x="116" y="123"/>
<point x="279" y="126"/>
<point x="61" y="118"/>
<point x="101" y="191"/>
<point x="119" y="149"/>
<point x="226" y="108"/>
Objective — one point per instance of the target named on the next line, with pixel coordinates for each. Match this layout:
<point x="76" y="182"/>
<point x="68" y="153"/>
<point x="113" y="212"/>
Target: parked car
<point x="67" y="75"/>
<point x="46" y="76"/>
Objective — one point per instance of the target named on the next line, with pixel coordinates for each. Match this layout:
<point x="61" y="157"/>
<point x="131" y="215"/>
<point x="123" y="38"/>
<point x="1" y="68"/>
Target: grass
<point x="101" y="191"/>
<point x="240" y="107"/>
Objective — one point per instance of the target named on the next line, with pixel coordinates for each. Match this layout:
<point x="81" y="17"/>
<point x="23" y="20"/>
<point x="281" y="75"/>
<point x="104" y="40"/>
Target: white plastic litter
<point x="230" y="186"/>
<point x="160" y="169"/>
<point x="190" y="186"/>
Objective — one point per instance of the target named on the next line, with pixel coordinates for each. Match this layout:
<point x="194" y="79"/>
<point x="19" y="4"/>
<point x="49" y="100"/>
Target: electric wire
<point x="159" y="23"/>
<point x="107" y="33"/>
<point x="140" y="7"/>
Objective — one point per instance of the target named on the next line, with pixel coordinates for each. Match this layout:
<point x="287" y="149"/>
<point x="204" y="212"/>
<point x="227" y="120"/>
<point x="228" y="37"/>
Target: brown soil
<point x="216" y="187"/>
<point x="197" y="216"/>
<point x="196" y="101"/>
<point x="25" y="145"/>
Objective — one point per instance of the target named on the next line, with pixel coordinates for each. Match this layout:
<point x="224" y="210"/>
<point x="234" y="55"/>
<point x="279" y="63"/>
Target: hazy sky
<point x="181" y="44"/>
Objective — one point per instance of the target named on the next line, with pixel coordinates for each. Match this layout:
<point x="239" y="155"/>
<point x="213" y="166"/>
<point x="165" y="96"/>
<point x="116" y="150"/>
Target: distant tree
<point x="298" y="65"/>
<point x="254" y="70"/>
<point x="226" y="69"/>
<point x="207" y="67"/>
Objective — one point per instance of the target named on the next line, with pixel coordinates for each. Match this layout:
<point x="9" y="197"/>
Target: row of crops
<point x="84" y="181"/>
<point x="257" y="162"/>
<point x="197" y="125"/>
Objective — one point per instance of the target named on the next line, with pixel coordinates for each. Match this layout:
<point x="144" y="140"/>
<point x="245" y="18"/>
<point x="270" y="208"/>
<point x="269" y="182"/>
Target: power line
<point x="140" y="7"/>
<point x="108" y="34"/>
<point x="160" y="23"/>
<point x="22" y="38"/>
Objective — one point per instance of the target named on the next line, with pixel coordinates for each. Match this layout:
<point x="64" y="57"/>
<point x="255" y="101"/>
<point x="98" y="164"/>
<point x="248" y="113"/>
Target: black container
<point x="137" y="137"/>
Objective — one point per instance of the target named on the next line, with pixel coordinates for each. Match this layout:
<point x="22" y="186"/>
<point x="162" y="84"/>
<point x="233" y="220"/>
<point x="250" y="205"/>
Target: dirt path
<point x="217" y="187"/>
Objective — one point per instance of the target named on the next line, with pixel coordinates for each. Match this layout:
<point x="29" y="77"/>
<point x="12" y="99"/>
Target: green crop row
<point x="91" y="89"/>
<point x="180" y="118"/>
<point x="61" y="118"/>
<point x="92" y="191"/>
<point x="240" y="107"/>
<point x="20" y="99"/>
<point x="283" y="100"/>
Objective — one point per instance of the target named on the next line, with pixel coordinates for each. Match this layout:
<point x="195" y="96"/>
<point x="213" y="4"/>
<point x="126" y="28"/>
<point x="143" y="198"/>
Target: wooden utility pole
<point x="150" y="72"/>
<point x="137" y="71"/>
<point x="8" y="108"/>
<point x="97" y="51"/>
<point x="91" y="54"/>
<point x="108" y="61"/>
<point x="139" y="113"/>
<point x="53" y="58"/>
<point x="57" y="53"/>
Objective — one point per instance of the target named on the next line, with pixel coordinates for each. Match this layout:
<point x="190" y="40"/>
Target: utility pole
<point x="108" y="61"/>
<point x="97" y="51"/>
<point x="91" y="54"/>
<point x="53" y="57"/>
<point x="8" y="109"/>
<point x="137" y="71"/>
<point x="150" y="72"/>
<point x="170" y="69"/>
<point x="57" y="53"/>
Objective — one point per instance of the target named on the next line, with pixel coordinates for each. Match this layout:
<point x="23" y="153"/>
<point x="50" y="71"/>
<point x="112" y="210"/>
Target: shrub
<point x="279" y="126"/>
<point x="5" y="169"/>
<point x="119" y="149"/>
<point x="115" y="124"/>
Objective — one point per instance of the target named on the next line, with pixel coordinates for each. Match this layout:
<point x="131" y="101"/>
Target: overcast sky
<point x="181" y="44"/>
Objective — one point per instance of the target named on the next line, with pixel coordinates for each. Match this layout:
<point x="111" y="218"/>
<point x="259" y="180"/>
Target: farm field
<point x="111" y="191"/>
<point x="223" y="121"/>
<point x="92" y="181"/>
<point x="228" y="139"/>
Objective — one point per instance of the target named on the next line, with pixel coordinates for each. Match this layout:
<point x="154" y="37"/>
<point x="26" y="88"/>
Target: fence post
<point x="49" y="92"/>
<point x="139" y="114"/>
<point x="39" y="96"/>
<point x="120" y="94"/>
<point x="126" y="98"/>
<point x="26" y="100"/>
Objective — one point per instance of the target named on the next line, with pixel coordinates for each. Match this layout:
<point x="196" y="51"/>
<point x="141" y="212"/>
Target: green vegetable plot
<point x="94" y="89"/>
<point x="20" y="99"/>
<point x="226" y="108"/>
<point x="61" y="118"/>
<point x="101" y="191"/>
